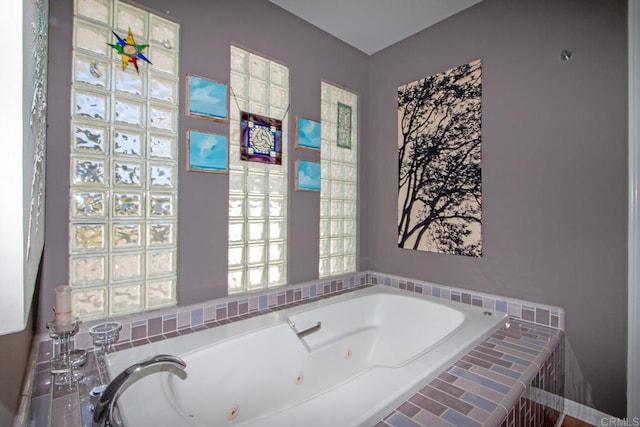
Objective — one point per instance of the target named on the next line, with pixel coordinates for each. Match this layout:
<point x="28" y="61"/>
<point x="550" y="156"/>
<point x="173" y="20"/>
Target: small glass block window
<point x="123" y="173"/>
<point x="160" y="293"/>
<point x="87" y="237"/>
<point x="257" y="191"/>
<point x="339" y="181"/>
<point x="89" y="138"/>
<point x="127" y="142"/>
<point x="126" y="236"/>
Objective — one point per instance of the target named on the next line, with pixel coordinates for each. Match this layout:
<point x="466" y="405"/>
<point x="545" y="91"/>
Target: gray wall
<point x="554" y="156"/>
<point x="554" y="166"/>
<point x="14" y="355"/>
<point x="208" y="28"/>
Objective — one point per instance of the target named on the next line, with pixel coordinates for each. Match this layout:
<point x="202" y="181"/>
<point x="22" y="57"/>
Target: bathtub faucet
<point x="103" y="411"/>
<point x="307" y="331"/>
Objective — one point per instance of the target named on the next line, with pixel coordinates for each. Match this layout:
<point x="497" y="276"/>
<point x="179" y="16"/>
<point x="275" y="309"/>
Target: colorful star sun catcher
<point x="129" y="50"/>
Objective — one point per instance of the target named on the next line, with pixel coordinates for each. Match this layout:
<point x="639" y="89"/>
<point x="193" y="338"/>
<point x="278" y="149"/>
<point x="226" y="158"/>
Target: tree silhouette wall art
<point x="439" y="153"/>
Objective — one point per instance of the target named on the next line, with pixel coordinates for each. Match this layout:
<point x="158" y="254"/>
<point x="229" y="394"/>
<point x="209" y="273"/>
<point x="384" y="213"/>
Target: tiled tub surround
<point x="45" y="404"/>
<point x="363" y="353"/>
<point x="489" y="386"/>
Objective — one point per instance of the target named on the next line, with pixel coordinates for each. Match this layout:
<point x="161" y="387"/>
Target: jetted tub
<point x="375" y="347"/>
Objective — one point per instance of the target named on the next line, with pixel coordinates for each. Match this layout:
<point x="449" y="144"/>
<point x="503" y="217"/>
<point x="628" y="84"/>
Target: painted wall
<point x="554" y="166"/>
<point x="554" y="156"/>
<point x="14" y="355"/>
<point x="208" y="29"/>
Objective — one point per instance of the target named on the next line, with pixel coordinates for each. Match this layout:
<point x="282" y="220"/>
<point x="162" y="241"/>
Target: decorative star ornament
<point x="129" y="50"/>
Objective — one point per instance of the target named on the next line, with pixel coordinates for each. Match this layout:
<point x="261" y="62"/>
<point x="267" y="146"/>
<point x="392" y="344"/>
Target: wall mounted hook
<point x="565" y="55"/>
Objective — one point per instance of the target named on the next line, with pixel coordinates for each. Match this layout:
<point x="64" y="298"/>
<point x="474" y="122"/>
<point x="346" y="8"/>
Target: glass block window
<point x="257" y="191"/>
<point x="124" y="173"/>
<point x="338" y="181"/>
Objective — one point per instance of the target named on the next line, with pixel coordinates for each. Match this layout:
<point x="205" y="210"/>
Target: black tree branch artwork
<point x="439" y="153"/>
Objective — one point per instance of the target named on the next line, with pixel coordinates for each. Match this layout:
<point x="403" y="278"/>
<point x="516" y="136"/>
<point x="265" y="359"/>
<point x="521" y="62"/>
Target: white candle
<point x="63" y="305"/>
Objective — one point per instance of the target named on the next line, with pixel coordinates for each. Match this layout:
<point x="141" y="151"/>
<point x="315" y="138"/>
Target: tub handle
<point x="307" y="331"/>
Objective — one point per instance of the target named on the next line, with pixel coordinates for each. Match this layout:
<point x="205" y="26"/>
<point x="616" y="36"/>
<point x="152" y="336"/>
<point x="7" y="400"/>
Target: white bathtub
<point x="376" y="346"/>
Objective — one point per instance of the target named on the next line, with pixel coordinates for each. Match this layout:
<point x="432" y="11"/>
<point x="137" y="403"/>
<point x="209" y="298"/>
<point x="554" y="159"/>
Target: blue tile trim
<point x="459" y="420"/>
<point x="516" y="360"/>
<point x="197" y="317"/>
<point x="479" y="401"/>
<point x="533" y="341"/>
<point x="40" y="409"/>
<point x="507" y="372"/>
<point x="399" y="420"/>
<point x="485" y="382"/>
<point x="501" y="306"/>
<point x="513" y="346"/>
<point x="263" y="302"/>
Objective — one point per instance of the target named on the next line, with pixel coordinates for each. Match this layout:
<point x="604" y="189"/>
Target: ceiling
<point x="372" y="25"/>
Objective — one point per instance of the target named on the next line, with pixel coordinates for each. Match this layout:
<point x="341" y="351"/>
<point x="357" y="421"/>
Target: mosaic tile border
<point x="154" y="325"/>
<point x="143" y="328"/>
<point x="541" y="314"/>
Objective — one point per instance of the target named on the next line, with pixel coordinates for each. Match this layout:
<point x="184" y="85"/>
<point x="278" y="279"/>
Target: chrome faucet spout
<point x="103" y="411"/>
